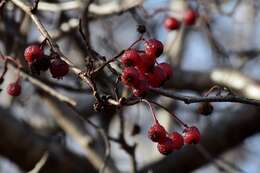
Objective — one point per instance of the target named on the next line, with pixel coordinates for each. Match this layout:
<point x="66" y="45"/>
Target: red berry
<point x="165" y="146"/>
<point x="58" y="68"/>
<point x="167" y="69"/>
<point x="190" y="17"/>
<point x="156" y="77"/>
<point x="141" y="88"/>
<point x="171" y="23"/>
<point x="191" y="135"/>
<point x="146" y="63"/>
<point x="14" y="89"/>
<point x="33" y="52"/>
<point x="130" y="58"/>
<point x="177" y="140"/>
<point x="153" y="47"/>
<point x="130" y="76"/>
<point x="157" y="132"/>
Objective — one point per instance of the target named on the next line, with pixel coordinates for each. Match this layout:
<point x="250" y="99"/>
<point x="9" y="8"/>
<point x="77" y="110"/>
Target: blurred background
<point x="221" y="48"/>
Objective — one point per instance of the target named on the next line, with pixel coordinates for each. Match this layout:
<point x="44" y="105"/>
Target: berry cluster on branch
<point x="141" y="69"/>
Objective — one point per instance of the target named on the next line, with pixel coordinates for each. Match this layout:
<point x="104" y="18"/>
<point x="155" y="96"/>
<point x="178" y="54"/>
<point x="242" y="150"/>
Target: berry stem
<point x="172" y="114"/>
<point x="151" y="109"/>
<point x="138" y="40"/>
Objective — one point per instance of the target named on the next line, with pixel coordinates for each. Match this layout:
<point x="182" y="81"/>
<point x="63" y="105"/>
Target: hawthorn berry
<point x="165" y="146"/>
<point x="33" y="52"/>
<point x="153" y="47"/>
<point x="167" y="69"/>
<point x="191" y="135"/>
<point x="190" y="17"/>
<point x="58" y="68"/>
<point x="171" y="23"/>
<point x="146" y="63"/>
<point x="141" y="88"/>
<point x="156" y="77"/>
<point x="130" y="58"/>
<point x="14" y="89"/>
<point x="157" y="132"/>
<point x="130" y="76"/>
<point x="177" y="140"/>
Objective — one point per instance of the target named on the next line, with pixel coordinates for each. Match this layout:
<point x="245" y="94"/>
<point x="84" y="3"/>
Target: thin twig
<point x="194" y="99"/>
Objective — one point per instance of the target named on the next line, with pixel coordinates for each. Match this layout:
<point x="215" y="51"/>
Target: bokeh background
<point x="231" y="43"/>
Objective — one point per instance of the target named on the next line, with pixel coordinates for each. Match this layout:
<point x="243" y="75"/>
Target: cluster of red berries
<point x="169" y="142"/>
<point x="38" y="62"/>
<point x="189" y="19"/>
<point x="141" y="70"/>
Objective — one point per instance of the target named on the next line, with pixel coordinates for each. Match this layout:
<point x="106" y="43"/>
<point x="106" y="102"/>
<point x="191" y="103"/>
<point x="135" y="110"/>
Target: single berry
<point x="153" y="47"/>
<point x="130" y="58"/>
<point x="33" y="52"/>
<point x="171" y="23"/>
<point x="167" y="69"/>
<point x="157" y="132"/>
<point x="177" y="140"/>
<point x="41" y="64"/>
<point x="165" y="146"/>
<point x="58" y="68"/>
<point x="156" y="77"/>
<point x="205" y="108"/>
<point x="14" y="89"/>
<point x="130" y="76"/>
<point x="141" y="88"/>
<point x="146" y="63"/>
<point x="191" y="135"/>
<point x="190" y="17"/>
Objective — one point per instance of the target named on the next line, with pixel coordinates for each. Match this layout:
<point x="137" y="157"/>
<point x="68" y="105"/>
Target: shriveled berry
<point x="14" y="89"/>
<point x="33" y="52"/>
<point x="41" y="64"/>
<point x="58" y="68"/>
<point x="156" y="77"/>
<point x="171" y="23"/>
<point x="153" y="47"/>
<point x="167" y="69"/>
<point x="205" y="108"/>
<point x="130" y="58"/>
<point x="165" y="146"/>
<point x="146" y="63"/>
<point x="191" y="135"/>
<point x="190" y="17"/>
<point x="157" y="132"/>
<point x="141" y="29"/>
<point x="177" y="140"/>
<point x="130" y="76"/>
